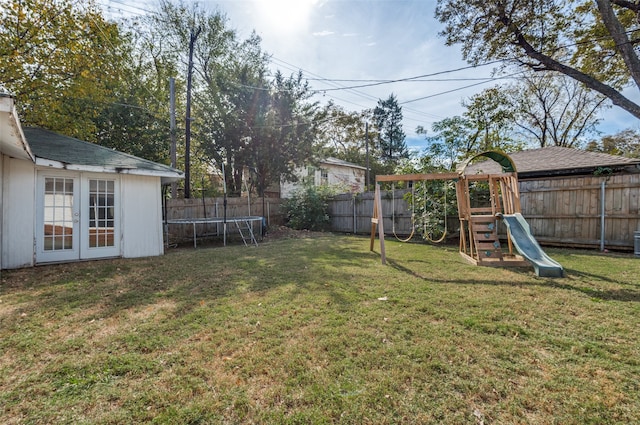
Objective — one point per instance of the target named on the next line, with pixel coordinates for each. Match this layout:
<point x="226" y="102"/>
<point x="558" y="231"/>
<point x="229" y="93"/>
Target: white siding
<point x="141" y="216"/>
<point x="1" y="209"/>
<point x="18" y="218"/>
<point x="351" y="179"/>
<point x="344" y="178"/>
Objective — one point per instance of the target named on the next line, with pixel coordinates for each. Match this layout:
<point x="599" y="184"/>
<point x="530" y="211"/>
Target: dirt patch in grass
<point x="284" y="232"/>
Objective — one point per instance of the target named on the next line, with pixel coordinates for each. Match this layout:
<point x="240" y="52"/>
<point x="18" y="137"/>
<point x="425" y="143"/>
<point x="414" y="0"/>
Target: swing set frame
<point x="479" y="238"/>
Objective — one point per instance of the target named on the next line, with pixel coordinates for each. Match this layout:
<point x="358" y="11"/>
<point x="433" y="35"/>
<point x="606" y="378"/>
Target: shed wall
<point x="141" y="216"/>
<point x="1" y="209"/>
<point x="18" y="218"/>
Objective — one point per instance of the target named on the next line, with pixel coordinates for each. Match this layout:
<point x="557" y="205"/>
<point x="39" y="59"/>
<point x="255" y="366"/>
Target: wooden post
<point x="378" y="220"/>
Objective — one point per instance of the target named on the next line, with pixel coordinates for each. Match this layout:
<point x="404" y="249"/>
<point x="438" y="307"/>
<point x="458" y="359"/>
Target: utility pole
<point x="366" y="132"/>
<point x="172" y="126"/>
<point x="187" y="152"/>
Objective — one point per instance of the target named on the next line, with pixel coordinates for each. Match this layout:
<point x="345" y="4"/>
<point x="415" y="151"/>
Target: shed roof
<point x="59" y="151"/>
<point x="12" y="140"/>
<point x="556" y="161"/>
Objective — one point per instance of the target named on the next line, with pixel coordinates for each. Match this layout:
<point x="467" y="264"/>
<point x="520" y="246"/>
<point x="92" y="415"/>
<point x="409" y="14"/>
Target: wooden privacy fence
<point x="568" y="211"/>
<point x="352" y="213"/>
<point x="563" y="211"/>
<point x="193" y="208"/>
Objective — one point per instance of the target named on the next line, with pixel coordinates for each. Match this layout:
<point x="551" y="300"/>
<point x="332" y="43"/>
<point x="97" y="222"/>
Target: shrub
<point x="308" y="208"/>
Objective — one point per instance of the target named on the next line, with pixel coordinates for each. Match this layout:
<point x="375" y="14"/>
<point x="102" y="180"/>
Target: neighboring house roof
<point x="556" y="160"/>
<point x="12" y="140"/>
<point x="58" y="151"/>
<point x="336" y="161"/>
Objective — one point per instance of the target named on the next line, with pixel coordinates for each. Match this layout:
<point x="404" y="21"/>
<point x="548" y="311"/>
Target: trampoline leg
<point x="194" y="235"/>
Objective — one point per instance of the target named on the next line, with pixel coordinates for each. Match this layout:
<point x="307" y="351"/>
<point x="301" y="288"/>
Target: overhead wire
<point x="337" y="85"/>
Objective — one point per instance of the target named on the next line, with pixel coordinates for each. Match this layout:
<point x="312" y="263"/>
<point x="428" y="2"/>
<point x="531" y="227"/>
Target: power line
<point x="399" y="80"/>
<point x="454" y="90"/>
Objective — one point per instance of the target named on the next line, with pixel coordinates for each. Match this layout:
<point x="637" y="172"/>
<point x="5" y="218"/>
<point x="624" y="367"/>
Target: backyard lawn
<point x="314" y="330"/>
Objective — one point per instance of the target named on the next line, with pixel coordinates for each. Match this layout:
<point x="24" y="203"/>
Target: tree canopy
<point x="243" y="116"/>
<point x="625" y="143"/>
<point x="74" y="72"/>
<point x="593" y="42"/>
<point x="61" y="59"/>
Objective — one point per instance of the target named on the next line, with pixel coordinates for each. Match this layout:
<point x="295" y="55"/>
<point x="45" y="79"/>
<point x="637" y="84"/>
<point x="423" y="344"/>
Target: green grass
<point x="317" y="331"/>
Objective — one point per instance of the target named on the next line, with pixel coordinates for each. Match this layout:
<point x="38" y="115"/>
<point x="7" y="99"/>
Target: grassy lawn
<point x="316" y="331"/>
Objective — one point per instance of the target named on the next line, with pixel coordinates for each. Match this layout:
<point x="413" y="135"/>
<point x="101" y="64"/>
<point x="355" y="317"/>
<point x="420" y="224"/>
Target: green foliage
<point x="344" y="135"/>
<point x="487" y="124"/>
<point x="242" y="116"/>
<point x="431" y="202"/>
<point x="61" y="60"/>
<point x="308" y="207"/>
<point x="592" y="42"/>
<point x="625" y="143"/>
<point x="387" y="117"/>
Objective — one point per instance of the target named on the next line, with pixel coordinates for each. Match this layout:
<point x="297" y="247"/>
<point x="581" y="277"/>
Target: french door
<point x="78" y="216"/>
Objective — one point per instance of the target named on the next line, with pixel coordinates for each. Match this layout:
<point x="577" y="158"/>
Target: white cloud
<point x="323" y="33"/>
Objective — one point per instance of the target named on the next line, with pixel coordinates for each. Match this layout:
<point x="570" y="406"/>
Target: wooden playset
<point x="479" y="239"/>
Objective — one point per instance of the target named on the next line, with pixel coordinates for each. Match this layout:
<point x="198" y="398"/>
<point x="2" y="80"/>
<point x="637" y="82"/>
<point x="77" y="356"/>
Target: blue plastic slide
<point x="529" y="248"/>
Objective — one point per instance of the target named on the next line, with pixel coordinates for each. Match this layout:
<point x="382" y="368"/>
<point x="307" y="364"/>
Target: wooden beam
<point x="378" y="221"/>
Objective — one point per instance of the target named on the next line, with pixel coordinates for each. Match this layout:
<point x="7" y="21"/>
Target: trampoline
<point x="244" y="226"/>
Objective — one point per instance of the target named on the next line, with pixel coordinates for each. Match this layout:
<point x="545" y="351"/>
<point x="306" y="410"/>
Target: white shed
<point x="63" y="199"/>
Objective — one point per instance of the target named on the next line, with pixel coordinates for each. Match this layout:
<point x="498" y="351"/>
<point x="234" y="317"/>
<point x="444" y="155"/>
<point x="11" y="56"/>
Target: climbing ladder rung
<point x="251" y="237"/>
<point x="485" y="238"/>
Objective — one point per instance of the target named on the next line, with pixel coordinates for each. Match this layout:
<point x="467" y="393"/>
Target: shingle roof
<point x="555" y="160"/>
<point x="74" y="153"/>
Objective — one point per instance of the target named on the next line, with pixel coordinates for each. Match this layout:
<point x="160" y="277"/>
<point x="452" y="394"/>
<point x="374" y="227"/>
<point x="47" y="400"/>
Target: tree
<point x="452" y="142"/>
<point x="219" y="67"/>
<point x="552" y="109"/>
<point x="61" y="60"/>
<point x="137" y="120"/>
<point x="491" y="117"/>
<point x="387" y="117"/>
<point x="288" y="134"/>
<point x="344" y="135"/>
<point x="242" y="117"/>
<point x="625" y="143"/>
<point x="593" y="43"/>
<point x="486" y="124"/>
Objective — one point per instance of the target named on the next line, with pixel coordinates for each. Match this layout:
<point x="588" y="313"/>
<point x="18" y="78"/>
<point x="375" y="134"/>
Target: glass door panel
<point x="58" y="218"/>
<point x="101" y="213"/>
<point x="101" y="235"/>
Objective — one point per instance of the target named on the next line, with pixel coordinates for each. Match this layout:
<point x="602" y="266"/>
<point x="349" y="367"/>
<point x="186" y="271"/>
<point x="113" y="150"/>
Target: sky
<point x="350" y="51"/>
<point x="355" y="43"/>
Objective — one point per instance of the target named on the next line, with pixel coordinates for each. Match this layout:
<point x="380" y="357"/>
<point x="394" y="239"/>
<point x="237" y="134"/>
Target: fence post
<point x="355" y="222"/>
